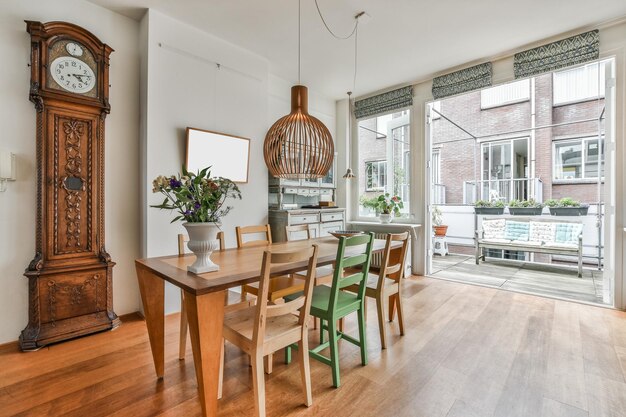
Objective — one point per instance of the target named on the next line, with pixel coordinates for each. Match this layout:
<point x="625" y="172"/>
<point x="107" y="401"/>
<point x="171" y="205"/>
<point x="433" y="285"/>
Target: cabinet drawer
<point x="326" y="228"/>
<point x="290" y="190"/>
<point x="314" y="191"/>
<point x="326" y="192"/>
<point x="332" y="217"/>
<point x="304" y="218"/>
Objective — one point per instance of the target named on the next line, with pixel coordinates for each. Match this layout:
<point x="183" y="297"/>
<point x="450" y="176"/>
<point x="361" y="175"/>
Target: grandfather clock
<point x="70" y="277"/>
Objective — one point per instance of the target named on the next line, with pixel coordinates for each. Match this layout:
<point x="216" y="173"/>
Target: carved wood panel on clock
<point x="70" y="277"/>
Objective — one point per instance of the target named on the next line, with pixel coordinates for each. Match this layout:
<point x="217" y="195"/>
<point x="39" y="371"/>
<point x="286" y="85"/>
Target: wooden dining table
<point x="205" y="295"/>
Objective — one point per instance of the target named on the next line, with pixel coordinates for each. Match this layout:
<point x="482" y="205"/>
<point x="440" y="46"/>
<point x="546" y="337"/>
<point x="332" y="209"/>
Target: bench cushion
<point x="494" y="229"/>
<point x="542" y="232"/>
<point x="516" y="230"/>
<point x="567" y="233"/>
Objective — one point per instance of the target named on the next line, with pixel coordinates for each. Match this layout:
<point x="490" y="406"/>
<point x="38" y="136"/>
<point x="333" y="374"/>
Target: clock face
<point x="74" y="49"/>
<point x="72" y="74"/>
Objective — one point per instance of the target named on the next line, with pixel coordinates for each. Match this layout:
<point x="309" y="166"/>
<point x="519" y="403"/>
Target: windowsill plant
<point x="528" y="207"/>
<point x="567" y="207"/>
<point x="489" y="207"/>
<point x="439" y="228"/>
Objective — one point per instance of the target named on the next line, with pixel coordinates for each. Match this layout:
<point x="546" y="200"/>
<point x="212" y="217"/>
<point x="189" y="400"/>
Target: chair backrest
<point x="290" y="230"/>
<point x="394" y="260"/>
<point x="182" y="239"/>
<point x="248" y="230"/>
<point x="359" y="259"/>
<point x="302" y="303"/>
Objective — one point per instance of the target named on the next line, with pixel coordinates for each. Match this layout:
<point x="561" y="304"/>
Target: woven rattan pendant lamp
<point x="298" y="145"/>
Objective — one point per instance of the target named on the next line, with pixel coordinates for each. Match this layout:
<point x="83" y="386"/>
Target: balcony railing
<point x="438" y="193"/>
<point x="504" y="189"/>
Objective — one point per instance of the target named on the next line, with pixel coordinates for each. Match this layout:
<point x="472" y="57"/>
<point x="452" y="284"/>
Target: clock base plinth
<point x="35" y="337"/>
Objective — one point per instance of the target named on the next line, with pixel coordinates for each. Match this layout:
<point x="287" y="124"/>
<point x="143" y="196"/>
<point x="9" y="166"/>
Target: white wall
<point x="184" y="87"/>
<point x="17" y="119"/>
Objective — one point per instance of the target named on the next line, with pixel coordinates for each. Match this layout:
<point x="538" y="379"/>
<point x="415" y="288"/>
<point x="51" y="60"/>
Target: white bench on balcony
<point x="557" y="237"/>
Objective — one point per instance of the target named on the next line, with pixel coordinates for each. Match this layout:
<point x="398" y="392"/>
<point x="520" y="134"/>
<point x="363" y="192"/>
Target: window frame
<point x="582" y="140"/>
<point x="599" y="96"/>
<point x="378" y="162"/>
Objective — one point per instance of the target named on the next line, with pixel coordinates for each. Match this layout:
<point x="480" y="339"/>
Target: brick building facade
<point x="461" y="160"/>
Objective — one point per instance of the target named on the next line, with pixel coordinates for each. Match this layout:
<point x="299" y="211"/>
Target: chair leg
<point x="362" y="340"/>
<point x="321" y="331"/>
<point x="334" y="352"/>
<point x="365" y="306"/>
<point x="314" y="322"/>
<point x="269" y="363"/>
<point x="182" y="347"/>
<point x="340" y="325"/>
<point x="244" y="293"/>
<point x="400" y="313"/>
<point x="258" y="380"/>
<point x="305" y="370"/>
<point x="220" y="383"/>
<point x="392" y="308"/>
<point x="380" y="307"/>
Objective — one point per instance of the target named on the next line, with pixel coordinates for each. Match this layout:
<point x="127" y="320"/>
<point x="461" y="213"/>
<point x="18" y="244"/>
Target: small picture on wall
<point x="227" y="155"/>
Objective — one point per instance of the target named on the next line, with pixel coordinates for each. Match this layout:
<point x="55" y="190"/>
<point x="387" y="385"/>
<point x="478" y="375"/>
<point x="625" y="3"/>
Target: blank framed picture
<point x="227" y="155"/>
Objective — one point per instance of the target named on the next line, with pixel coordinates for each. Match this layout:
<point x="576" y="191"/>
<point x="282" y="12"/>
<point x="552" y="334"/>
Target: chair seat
<point x="240" y="324"/>
<point x="321" y="297"/>
<point x="279" y="286"/>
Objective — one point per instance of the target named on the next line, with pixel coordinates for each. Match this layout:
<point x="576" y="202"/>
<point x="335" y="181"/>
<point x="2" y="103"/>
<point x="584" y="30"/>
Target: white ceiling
<point x="404" y="41"/>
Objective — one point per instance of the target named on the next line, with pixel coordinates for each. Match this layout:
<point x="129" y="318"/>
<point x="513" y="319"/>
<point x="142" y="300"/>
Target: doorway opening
<point x="504" y="160"/>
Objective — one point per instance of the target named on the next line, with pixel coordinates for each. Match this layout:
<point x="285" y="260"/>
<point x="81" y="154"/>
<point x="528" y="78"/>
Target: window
<point x="376" y="172"/>
<point x="504" y="170"/>
<point x="384" y="160"/>
<point x="579" y="84"/>
<point x="577" y="159"/>
<point x="435" y="105"/>
<point x="515" y="92"/>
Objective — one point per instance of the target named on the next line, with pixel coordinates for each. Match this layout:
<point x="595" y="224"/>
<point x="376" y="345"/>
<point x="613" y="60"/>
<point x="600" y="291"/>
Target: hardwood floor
<point x="469" y="351"/>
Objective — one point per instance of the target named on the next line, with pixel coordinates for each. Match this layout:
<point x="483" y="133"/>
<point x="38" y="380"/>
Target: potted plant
<point x="388" y="206"/>
<point x="528" y="207"/>
<point x="437" y="217"/>
<point x="567" y="207"/>
<point x="489" y="207"/>
<point x="199" y="200"/>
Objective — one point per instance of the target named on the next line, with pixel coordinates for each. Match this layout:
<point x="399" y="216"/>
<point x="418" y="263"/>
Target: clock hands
<point x="79" y="77"/>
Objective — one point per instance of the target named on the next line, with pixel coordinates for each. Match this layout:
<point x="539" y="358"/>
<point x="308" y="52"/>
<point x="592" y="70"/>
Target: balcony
<point x="438" y="193"/>
<point x="503" y="189"/>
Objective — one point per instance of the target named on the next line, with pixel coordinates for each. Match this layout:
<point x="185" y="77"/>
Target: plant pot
<point x="385" y="218"/>
<point x="569" y="211"/>
<point x="440" y="230"/>
<point x="202" y="242"/>
<point x="489" y="210"/>
<point x="525" y="211"/>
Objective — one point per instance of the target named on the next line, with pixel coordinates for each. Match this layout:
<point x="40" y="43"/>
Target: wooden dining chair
<point x="279" y="286"/>
<point x="323" y="274"/>
<point x="265" y="328"/>
<point x="330" y="304"/>
<point x="230" y="306"/>
<point x="384" y="283"/>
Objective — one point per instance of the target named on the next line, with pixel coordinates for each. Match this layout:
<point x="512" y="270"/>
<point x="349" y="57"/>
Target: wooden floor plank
<point x="468" y="351"/>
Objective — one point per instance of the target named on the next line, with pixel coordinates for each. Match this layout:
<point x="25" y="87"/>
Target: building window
<point x="577" y="159"/>
<point x="501" y="95"/>
<point x="579" y="84"/>
<point x="384" y="160"/>
<point x="376" y="172"/>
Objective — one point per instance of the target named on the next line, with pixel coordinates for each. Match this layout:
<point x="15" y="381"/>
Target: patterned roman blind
<point x="468" y="79"/>
<point x="564" y="53"/>
<point x="384" y="103"/>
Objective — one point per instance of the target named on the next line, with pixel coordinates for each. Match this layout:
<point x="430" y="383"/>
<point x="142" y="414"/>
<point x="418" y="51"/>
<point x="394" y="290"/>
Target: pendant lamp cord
<point x="299" y="42"/>
<point x="330" y="30"/>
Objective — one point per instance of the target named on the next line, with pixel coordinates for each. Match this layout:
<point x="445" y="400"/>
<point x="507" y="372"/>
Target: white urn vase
<point x="385" y="218"/>
<point x="202" y="242"/>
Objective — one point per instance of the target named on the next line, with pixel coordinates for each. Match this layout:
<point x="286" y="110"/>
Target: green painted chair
<point x="330" y="304"/>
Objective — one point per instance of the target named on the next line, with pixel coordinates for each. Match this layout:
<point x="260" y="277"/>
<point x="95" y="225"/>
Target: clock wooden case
<point x="70" y="277"/>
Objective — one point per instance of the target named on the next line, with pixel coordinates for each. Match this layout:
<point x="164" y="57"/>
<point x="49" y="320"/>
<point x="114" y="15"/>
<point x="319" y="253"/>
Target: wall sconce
<point x="7" y="169"/>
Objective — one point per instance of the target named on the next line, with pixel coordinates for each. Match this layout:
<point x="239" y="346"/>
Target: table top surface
<point x="242" y="265"/>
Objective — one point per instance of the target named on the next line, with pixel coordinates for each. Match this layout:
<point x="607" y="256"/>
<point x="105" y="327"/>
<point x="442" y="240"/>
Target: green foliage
<point x="564" y="202"/>
<point x="568" y="202"/>
<point x="197" y="197"/>
<point x="498" y="204"/>
<point x="530" y="203"/>
<point x="482" y="203"/>
<point x="388" y="204"/>
<point x="437" y="216"/>
<point x="371" y="203"/>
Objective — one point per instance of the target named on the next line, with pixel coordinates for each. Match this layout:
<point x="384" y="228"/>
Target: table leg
<point x="152" y="290"/>
<point x="205" y="314"/>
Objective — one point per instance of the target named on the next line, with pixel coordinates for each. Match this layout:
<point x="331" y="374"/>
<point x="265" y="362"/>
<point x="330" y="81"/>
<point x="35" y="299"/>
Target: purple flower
<point x="196" y="206"/>
<point x="174" y="183"/>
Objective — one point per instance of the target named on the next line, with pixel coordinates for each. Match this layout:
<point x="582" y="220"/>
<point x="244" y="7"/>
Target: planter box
<point x="569" y="211"/>
<point x="440" y="230"/>
<point x="489" y="210"/>
<point x="525" y="211"/>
